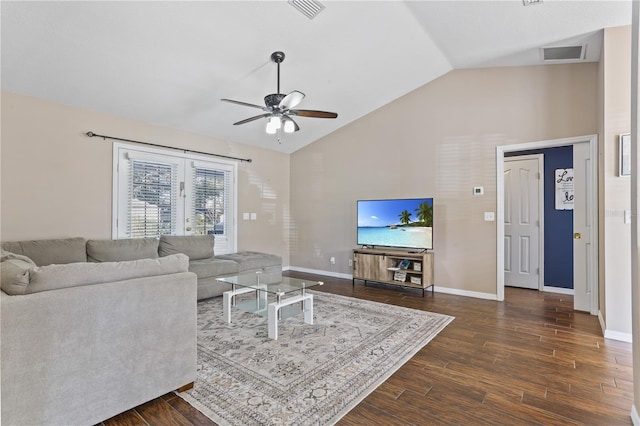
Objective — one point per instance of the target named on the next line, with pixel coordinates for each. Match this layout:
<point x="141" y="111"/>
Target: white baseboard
<point x="635" y="418"/>
<point x="466" y="293"/>
<point x="617" y="335"/>
<point x="559" y="290"/>
<point x="613" y="335"/>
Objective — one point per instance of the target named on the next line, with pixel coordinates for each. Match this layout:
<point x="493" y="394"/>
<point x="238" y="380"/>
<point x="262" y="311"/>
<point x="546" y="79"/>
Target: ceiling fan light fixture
<point x="275" y="122"/>
<point x="271" y="128"/>
<point x="289" y="127"/>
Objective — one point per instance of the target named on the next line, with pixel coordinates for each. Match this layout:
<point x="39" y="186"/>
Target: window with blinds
<point x="211" y="188"/>
<point x="158" y="192"/>
<point x="152" y="199"/>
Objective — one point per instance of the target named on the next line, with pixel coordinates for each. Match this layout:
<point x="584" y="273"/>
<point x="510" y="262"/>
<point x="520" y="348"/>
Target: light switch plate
<point x="254" y="216"/>
<point x="245" y="216"/>
<point x="627" y="216"/>
<point x="489" y="216"/>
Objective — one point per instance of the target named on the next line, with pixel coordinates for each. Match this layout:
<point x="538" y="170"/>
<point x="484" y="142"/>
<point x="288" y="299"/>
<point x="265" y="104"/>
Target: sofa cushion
<point x="14" y="272"/>
<point x="46" y="252"/>
<point x="194" y="246"/>
<point x="213" y="267"/>
<point x="54" y="277"/>
<point x="120" y="250"/>
<point x="248" y="260"/>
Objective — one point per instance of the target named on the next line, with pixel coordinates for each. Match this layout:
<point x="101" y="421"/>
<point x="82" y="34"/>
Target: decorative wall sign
<point x="624" y="167"/>
<point x="564" y="189"/>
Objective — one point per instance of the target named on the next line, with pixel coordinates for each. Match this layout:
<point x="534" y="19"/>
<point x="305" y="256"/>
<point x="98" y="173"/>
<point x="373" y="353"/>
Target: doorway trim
<point x="593" y="194"/>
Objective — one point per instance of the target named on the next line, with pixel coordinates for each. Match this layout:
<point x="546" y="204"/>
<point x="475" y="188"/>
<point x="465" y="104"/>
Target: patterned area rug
<point x="311" y="375"/>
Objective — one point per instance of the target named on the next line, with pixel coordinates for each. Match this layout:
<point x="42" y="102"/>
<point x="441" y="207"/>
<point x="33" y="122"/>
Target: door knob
<point x="577" y="236"/>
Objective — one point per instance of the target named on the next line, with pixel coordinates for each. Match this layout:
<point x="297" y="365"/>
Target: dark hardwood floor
<point x="529" y="360"/>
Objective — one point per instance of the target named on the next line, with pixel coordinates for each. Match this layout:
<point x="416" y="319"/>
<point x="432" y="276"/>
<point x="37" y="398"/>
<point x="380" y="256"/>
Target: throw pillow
<point x="14" y="272"/>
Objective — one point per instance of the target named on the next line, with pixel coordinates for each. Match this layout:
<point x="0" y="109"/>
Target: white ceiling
<point x="170" y="63"/>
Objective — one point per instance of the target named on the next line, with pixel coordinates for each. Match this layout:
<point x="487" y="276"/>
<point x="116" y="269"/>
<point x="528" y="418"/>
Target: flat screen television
<point x="402" y="223"/>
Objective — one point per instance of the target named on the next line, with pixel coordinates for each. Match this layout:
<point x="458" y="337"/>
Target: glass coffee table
<point x="275" y="297"/>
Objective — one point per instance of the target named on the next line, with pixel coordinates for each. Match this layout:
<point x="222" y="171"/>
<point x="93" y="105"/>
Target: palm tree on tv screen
<point x="425" y="214"/>
<point x="405" y="217"/>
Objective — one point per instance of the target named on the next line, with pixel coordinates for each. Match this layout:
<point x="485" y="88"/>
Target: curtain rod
<point x="92" y="135"/>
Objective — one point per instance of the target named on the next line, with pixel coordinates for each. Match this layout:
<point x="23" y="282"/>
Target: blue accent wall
<point x="558" y="224"/>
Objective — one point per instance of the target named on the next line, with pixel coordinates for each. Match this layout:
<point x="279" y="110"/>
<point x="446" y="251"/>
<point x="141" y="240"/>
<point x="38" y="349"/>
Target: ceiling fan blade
<point x="313" y="113"/>
<point x="244" y="103"/>
<point x="291" y="100"/>
<point x="286" y="118"/>
<point x="250" y="119"/>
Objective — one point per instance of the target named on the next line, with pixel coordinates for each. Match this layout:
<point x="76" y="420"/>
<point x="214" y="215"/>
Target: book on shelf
<point x="400" y="276"/>
<point x="404" y="264"/>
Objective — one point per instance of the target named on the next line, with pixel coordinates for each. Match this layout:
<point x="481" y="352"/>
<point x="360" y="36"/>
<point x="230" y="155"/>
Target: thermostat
<point x="478" y="190"/>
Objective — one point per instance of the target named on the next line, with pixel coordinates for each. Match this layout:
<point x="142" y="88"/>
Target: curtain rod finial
<point x="90" y="134"/>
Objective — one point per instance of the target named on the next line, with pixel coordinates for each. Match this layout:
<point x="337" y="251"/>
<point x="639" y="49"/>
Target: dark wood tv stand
<point x="383" y="265"/>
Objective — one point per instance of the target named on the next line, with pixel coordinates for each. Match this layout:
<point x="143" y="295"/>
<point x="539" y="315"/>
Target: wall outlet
<point x="332" y="260"/>
<point x="350" y="262"/>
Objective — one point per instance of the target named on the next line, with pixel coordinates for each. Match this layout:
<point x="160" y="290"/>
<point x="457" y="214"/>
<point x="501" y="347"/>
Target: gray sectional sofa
<point x="199" y="249"/>
<point x="92" y="328"/>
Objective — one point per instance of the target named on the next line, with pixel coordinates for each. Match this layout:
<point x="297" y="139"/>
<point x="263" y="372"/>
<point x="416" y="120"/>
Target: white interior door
<point x="522" y="216"/>
<point x="582" y="228"/>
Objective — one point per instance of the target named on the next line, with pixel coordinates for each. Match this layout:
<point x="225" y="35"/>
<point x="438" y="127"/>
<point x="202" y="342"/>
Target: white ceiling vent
<point x="309" y="8"/>
<point x="563" y="53"/>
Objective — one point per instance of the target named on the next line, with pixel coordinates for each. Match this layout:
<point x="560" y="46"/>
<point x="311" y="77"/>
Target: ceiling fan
<point x="278" y="107"/>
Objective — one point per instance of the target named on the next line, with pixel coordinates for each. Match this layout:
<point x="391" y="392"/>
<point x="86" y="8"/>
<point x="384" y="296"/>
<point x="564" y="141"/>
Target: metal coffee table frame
<point x="263" y="285"/>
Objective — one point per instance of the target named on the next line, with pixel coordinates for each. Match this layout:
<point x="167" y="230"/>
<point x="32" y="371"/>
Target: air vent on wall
<point x="563" y="53"/>
<point x="309" y="8"/>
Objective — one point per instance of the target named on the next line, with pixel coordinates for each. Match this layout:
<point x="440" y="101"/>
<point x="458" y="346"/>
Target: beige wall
<point x="437" y="141"/>
<point x="615" y="191"/>
<point x="56" y="182"/>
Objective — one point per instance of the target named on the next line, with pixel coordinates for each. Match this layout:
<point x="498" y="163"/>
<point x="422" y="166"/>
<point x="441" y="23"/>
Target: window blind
<point x="152" y="199"/>
<point x="211" y="189"/>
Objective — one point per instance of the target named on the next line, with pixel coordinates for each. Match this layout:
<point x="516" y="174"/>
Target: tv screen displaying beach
<point x="396" y="223"/>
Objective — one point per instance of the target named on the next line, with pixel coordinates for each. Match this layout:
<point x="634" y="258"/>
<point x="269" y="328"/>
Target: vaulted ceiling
<point x="170" y="63"/>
